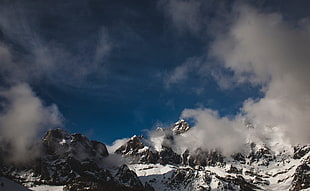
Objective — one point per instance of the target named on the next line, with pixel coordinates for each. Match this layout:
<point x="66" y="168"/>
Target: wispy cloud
<point x="40" y="57"/>
<point x="184" y="15"/>
<point x="182" y="72"/>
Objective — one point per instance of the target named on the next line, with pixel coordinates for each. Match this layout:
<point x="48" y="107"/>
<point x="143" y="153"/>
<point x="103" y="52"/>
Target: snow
<point x="278" y="175"/>
<point x="155" y="174"/>
<point x="151" y="169"/>
<point x="47" y="188"/>
<point x="143" y="149"/>
<point x="63" y="141"/>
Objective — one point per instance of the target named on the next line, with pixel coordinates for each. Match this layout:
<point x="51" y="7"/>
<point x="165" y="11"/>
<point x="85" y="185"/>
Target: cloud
<point x="213" y="132"/>
<point x="182" y="72"/>
<point x="104" y="46"/>
<point x="22" y="116"/>
<point x="37" y="57"/>
<point x="263" y="50"/>
<point x="29" y="56"/>
<point x="184" y="15"/>
<point x="116" y="144"/>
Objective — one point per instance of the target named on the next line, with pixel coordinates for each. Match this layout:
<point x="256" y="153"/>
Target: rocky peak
<point x="180" y="127"/>
<point x="55" y="135"/>
<point x="59" y="142"/>
<point x="133" y="145"/>
<point x="261" y="154"/>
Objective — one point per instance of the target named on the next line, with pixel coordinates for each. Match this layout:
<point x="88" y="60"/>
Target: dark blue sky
<point x="109" y="65"/>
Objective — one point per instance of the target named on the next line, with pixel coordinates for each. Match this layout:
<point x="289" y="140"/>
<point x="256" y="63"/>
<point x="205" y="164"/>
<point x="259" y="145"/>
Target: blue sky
<point x="118" y="68"/>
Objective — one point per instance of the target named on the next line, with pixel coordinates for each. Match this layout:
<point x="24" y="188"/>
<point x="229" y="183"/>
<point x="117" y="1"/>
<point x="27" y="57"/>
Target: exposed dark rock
<point x="238" y="157"/>
<point x="206" y="158"/>
<point x="149" y="156"/>
<point x="262" y="155"/>
<point x="127" y="177"/>
<point x="301" y="176"/>
<point x="137" y="152"/>
<point x="168" y="156"/>
<point x="234" y="170"/>
<point x="182" y="177"/>
<point x="240" y="181"/>
<point x="300" y="151"/>
<point x="180" y="127"/>
<point x="131" y="147"/>
<point x="64" y="159"/>
<point x="100" y="148"/>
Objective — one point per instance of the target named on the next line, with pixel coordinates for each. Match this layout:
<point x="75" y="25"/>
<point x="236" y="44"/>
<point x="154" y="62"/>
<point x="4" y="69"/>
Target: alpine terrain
<point x="72" y="162"/>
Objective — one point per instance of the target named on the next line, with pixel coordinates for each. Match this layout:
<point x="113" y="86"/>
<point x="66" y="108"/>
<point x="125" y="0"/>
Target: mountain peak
<point x="180" y="127"/>
<point x="55" y="134"/>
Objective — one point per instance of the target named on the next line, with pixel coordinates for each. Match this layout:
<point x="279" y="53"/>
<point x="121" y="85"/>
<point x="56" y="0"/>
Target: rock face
<point x="301" y="176"/>
<point x="300" y="151"/>
<point x="263" y="155"/>
<point x="180" y="127"/>
<point x="128" y="177"/>
<point x="75" y="161"/>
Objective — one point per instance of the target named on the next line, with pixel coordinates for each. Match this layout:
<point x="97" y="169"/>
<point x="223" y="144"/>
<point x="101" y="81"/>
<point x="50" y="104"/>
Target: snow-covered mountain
<point x="73" y="162"/>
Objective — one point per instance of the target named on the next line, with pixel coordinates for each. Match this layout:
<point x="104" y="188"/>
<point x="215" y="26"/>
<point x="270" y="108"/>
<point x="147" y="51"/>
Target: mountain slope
<point x="73" y="162"/>
<point x="258" y="169"/>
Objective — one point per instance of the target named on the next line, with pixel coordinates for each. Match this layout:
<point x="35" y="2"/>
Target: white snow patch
<point x="47" y="188"/>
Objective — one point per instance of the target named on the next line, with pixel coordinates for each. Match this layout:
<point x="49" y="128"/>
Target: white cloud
<point x="116" y="144"/>
<point x="23" y="116"/>
<point x="262" y="49"/>
<point x="212" y="131"/>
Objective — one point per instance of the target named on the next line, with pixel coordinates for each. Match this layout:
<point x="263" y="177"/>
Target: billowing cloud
<point x="212" y="131"/>
<point x="263" y="50"/>
<point x="22" y="117"/>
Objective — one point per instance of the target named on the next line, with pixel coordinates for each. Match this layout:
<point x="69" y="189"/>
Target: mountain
<point x="73" y="162"/>
<point x="260" y="168"/>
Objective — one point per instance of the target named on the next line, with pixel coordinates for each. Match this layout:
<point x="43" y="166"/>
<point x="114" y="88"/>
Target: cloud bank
<point x="263" y="50"/>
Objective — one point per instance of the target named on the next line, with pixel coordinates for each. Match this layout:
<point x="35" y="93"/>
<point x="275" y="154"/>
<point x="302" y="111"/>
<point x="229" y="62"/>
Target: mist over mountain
<point x="73" y="162"/>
